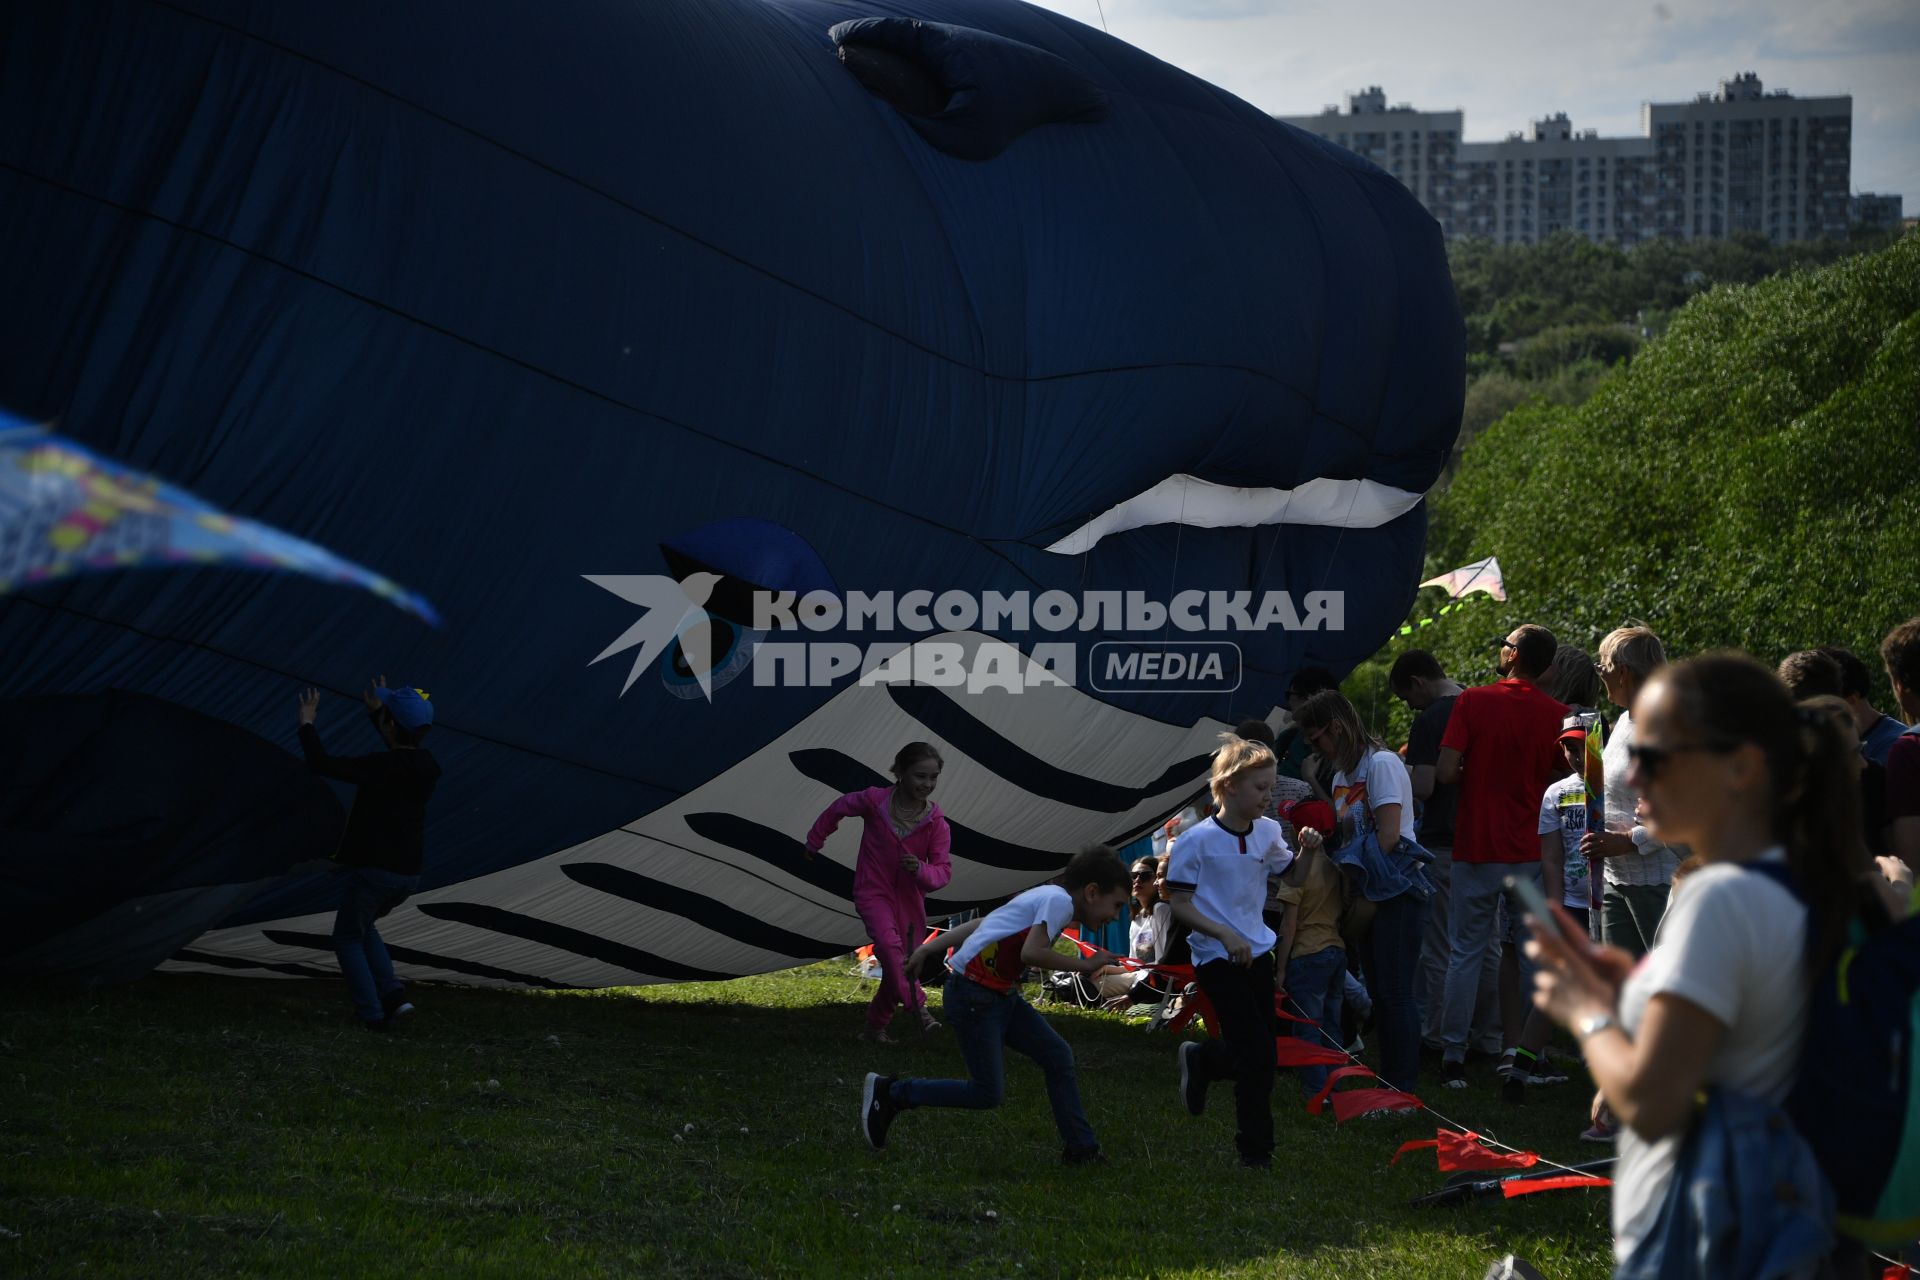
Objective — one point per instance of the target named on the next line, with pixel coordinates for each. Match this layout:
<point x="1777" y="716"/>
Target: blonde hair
<point x="1330" y="709"/>
<point x="1237" y="755"/>
<point x="1636" y="649"/>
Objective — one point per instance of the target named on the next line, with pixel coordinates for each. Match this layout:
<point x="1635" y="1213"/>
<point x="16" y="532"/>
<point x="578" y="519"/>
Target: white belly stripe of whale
<point x="1056" y="723"/>
<point x="1201" y="504"/>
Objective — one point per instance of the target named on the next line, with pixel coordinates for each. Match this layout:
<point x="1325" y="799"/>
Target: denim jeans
<point x="366" y="894"/>
<point x="1316" y="985"/>
<point x="984" y="1021"/>
<point x="1477" y="887"/>
<point x="1393" y="964"/>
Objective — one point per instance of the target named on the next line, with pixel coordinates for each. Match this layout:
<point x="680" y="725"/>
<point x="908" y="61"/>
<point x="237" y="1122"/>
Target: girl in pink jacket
<point x="903" y="857"/>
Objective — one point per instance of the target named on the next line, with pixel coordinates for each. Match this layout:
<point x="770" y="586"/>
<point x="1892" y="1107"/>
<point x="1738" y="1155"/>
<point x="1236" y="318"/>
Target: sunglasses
<point x="1652" y="760"/>
<point x="1143" y="875"/>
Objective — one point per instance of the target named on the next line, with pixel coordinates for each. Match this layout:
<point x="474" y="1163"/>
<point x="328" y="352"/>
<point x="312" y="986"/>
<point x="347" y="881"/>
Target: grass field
<point x="234" y="1127"/>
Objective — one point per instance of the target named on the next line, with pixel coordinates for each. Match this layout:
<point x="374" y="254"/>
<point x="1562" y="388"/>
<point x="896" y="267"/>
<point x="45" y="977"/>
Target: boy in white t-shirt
<point x="1564" y="878"/>
<point x="1219" y="885"/>
<point x="1564" y="811"/>
<point x="987" y="1012"/>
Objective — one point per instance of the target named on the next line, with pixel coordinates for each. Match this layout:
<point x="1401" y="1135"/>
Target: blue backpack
<point x="1857" y="1101"/>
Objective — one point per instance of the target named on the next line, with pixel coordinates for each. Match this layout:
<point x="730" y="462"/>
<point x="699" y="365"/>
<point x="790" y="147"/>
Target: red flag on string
<point x="1566" y="1182"/>
<point x="1292" y="1051"/>
<point x="1359" y="1102"/>
<point x="1455" y="1151"/>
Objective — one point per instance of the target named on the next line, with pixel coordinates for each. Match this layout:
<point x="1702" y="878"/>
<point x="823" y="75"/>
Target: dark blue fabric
<point x="116" y="795"/>
<point x="603" y="275"/>
<point x="1856" y="1085"/>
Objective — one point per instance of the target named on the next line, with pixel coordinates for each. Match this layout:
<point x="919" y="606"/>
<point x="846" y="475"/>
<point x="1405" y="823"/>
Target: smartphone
<point x="1534" y="903"/>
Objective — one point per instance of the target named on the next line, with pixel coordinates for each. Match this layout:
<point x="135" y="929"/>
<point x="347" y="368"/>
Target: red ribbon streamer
<point x="1455" y="1151"/>
<point x="1566" y="1182"/>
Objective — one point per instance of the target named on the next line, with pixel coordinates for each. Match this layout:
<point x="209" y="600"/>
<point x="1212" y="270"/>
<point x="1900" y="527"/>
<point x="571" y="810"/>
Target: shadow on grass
<point x="190" y="1125"/>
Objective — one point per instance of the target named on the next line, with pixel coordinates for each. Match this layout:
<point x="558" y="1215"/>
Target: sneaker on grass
<point x="1546" y="1072"/>
<point x="1083" y="1155"/>
<point x="877" y="1109"/>
<point x="1604" y="1133"/>
<point x="1193" y="1087"/>
<point x="1453" y="1075"/>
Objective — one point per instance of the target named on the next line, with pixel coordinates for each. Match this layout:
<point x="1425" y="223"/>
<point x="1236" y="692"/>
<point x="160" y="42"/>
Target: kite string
<point x="1488" y="1139"/>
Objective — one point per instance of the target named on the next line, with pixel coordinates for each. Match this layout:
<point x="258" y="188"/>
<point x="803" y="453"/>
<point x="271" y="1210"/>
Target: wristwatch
<point x="1593" y="1025"/>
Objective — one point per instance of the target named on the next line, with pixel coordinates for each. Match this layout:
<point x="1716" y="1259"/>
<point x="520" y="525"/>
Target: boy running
<point x="986" y="1010"/>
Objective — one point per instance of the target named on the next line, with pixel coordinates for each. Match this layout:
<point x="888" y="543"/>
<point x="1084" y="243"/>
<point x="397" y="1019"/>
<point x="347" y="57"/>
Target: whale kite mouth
<point x="1201" y="504"/>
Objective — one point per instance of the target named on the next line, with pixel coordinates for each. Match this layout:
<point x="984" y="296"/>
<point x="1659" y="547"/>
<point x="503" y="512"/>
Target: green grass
<point x="230" y="1127"/>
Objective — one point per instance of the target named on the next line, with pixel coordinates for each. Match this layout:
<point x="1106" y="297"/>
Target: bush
<point x="1751" y="480"/>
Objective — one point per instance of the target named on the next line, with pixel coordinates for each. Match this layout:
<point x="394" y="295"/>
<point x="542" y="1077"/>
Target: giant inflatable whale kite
<point x="593" y="321"/>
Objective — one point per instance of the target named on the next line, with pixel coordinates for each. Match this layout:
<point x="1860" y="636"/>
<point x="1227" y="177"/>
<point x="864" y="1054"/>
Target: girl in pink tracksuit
<point x="903" y="857"/>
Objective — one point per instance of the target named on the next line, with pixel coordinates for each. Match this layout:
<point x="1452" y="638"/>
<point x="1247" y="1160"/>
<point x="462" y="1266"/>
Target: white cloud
<point x="1505" y="63"/>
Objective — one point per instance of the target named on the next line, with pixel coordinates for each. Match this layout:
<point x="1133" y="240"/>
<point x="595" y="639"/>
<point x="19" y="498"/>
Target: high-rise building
<point x="1738" y="159"/>
<point x="1875" y="212"/>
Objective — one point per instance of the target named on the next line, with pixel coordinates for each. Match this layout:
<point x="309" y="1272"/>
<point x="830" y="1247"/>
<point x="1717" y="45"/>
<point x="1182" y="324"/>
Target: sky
<point x="1504" y="64"/>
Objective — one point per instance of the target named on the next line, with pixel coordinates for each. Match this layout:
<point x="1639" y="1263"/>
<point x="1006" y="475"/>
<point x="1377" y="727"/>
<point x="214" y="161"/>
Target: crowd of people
<point x="1398" y="877"/>
<point x="1366" y="885"/>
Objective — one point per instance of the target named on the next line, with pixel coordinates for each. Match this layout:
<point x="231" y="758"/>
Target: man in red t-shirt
<point x="1502" y="748"/>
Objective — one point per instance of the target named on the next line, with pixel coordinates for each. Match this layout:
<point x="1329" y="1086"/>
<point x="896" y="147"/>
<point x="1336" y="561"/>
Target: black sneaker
<point x="396" y="1004"/>
<point x="382" y="1025"/>
<point x="1546" y="1072"/>
<point x="1453" y="1075"/>
<point x="877" y="1109"/>
<point x="1193" y="1086"/>
<point x="1256" y="1162"/>
<point x="1083" y="1155"/>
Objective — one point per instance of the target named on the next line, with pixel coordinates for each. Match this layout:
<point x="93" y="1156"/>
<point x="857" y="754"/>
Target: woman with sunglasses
<point x="1118" y="984"/>
<point x="1726" y="764"/>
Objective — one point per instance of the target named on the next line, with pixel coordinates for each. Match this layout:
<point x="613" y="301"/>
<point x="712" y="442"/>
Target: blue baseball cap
<point x="409" y="708"/>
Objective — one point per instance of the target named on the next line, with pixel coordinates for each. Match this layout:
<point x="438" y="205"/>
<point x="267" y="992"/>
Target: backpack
<point x="1857" y="1100"/>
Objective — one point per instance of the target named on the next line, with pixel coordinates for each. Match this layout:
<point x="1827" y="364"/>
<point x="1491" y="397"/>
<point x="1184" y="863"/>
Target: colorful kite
<point x="64" y="509"/>
<point x="1481" y="575"/>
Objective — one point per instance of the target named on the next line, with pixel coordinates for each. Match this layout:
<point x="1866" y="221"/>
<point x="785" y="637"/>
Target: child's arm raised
<point x="340" y="768"/>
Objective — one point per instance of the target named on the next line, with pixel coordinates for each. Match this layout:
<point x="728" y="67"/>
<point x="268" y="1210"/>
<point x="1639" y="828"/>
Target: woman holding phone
<point x="1728" y="765"/>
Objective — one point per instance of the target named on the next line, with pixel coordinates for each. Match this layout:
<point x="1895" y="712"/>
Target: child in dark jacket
<point x="380" y="852"/>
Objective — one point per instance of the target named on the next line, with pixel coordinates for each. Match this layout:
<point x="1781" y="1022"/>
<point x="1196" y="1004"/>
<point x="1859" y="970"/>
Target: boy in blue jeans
<point x="1316" y="973"/>
<point x="986" y="1010"/>
<point x="380" y="851"/>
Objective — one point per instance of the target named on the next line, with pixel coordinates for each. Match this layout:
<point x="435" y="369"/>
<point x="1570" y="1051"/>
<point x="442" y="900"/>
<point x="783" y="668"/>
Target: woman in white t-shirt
<point x="1116" y="982"/>
<point x="1373" y="797"/>
<point x="1728" y="765"/>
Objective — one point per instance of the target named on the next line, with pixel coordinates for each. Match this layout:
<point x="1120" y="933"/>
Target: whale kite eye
<point x="968" y="92"/>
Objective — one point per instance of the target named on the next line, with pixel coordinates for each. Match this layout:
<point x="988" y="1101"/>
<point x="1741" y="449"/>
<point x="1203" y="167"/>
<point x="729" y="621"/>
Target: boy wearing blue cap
<point x="380" y="852"/>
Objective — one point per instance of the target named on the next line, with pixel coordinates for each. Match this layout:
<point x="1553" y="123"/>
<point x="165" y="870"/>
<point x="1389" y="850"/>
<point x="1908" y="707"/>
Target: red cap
<point x="1317" y="814"/>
